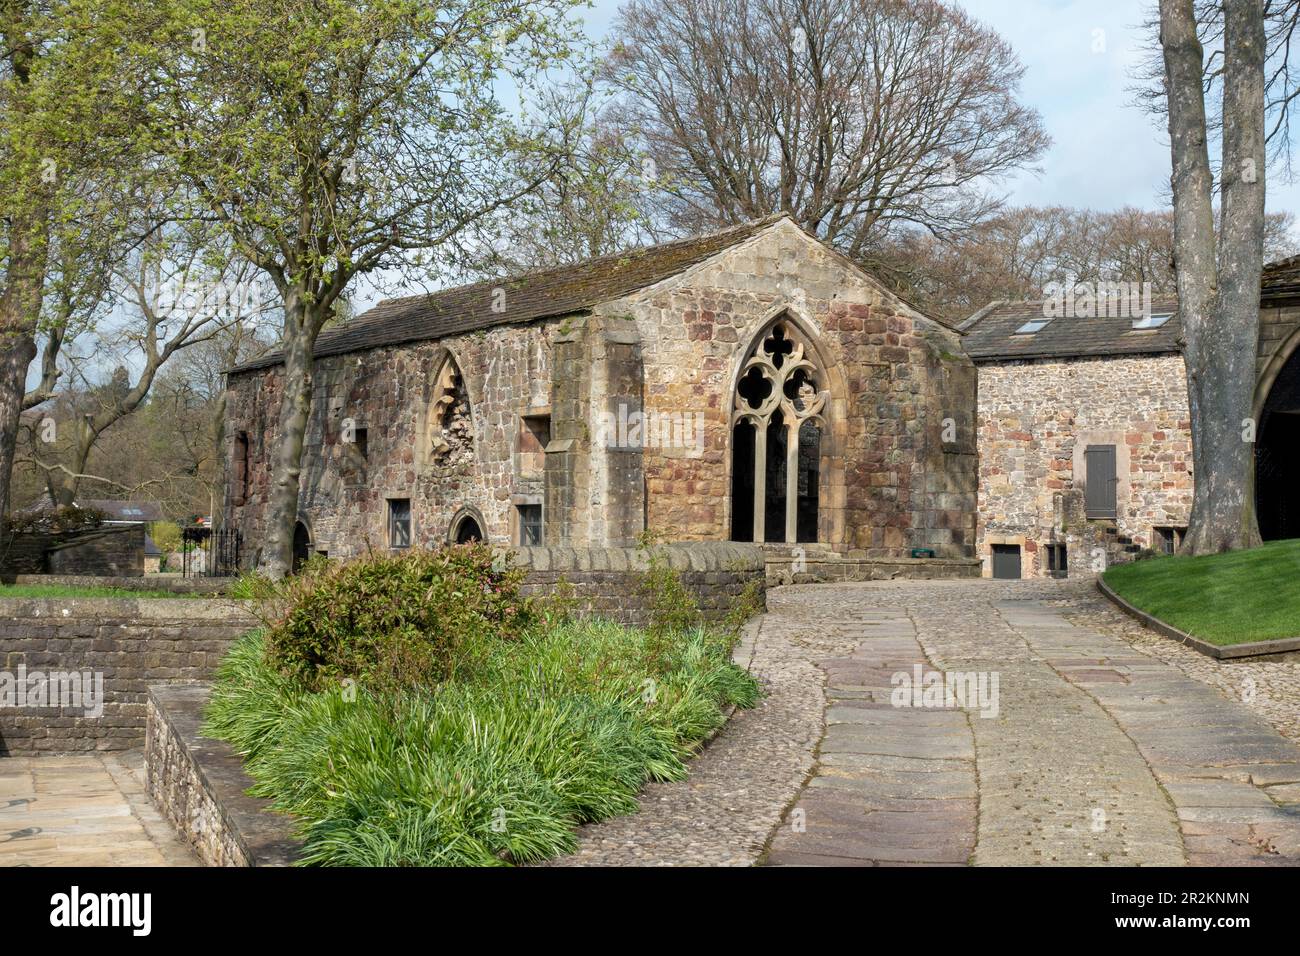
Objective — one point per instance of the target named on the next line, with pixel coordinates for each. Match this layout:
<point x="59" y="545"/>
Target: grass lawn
<point x="70" y="591"/>
<point x="1221" y="598"/>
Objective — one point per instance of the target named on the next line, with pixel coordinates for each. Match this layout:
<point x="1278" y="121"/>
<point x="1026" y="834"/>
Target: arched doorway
<point x="777" y="430"/>
<point x="1277" y="456"/>
<point x="468" y="531"/>
<point x="301" y="545"/>
<point x="466" y="526"/>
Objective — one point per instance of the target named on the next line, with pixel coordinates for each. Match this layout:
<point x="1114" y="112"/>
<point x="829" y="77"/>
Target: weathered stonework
<point x="200" y="786"/>
<point x="1036" y="419"/>
<point x="132" y="642"/>
<point x="897" y="468"/>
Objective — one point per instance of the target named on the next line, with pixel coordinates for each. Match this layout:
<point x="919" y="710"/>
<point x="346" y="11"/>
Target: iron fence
<point x="209" y="553"/>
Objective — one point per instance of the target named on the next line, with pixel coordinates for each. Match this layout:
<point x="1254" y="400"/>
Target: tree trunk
<point x="286" y="456"/>
<point x="20" y="309"/>
<point x="1218" y="300"/>
<point x="17" y="349"/>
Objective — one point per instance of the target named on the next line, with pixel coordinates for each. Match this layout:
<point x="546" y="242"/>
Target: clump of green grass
<point x="1224" y="599"/>
<point x="559" y="726"/>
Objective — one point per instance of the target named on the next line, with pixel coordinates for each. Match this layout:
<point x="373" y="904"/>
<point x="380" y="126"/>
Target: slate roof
<point x="1281" y="280"/>
<point x="114" y="510"/>
<point x="552" y="293"/>
<point x="991" y="333"/>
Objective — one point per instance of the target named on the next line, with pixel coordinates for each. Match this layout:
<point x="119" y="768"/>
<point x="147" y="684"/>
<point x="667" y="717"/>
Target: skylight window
<point x="1146" y="322"/>
<point x="1032" y="326"/>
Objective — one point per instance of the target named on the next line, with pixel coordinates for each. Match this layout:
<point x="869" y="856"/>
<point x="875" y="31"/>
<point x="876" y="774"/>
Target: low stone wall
<point x="130" y="642"/>
<point x="787" y="567"/>
<point x="142" y="582"/>
<point x="200" y="786"/>
<point x="608" y="582"/>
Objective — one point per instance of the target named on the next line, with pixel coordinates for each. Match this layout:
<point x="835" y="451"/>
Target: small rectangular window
<point x="1058" y="560"/>
<point x="530" y="526"/>
<point x="1167" y="540"/>
<point x="1032" y="326"/>
<point x="361" y="439"/>
<point x="399" y="522"/>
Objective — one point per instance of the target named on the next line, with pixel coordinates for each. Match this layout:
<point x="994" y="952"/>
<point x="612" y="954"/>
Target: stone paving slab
<point x="84" y="810"/>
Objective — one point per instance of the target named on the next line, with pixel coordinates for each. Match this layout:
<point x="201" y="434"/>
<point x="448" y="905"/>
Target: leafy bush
<point x="560" y="725"/>
<point x="410" y="620"/>
<point x="167" y="535"/>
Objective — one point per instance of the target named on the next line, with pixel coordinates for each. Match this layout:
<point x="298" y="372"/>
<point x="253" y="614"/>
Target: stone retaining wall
<point x="108" y="549"/>
<point x="137" y="582"/>
<point x="131" y="642"/>
<point x="815" y="569"/>
<point x="200" y="786"/>
<point x="608" y="581"/>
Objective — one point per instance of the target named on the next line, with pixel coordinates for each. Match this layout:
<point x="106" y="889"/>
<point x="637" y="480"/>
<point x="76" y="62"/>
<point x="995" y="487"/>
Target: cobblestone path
<point x="1105" y="747"/>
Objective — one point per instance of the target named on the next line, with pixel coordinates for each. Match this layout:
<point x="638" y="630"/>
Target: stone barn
<point x="1084" y="432"/>
<point x="749" y="385"/>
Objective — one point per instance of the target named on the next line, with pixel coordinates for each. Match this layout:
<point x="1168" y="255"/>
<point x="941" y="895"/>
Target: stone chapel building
<point x="748" y="385"/>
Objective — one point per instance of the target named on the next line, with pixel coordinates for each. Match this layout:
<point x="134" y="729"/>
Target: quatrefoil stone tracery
<point x="778" y="376"/>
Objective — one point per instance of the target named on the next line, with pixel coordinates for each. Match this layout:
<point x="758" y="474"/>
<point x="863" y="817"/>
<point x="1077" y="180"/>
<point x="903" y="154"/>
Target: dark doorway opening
<point x="810" y="461"/>
<point x="1277" y="457"/>
<point x="301" y="545"/>
<point x="468" y="532"/>
<point x="1006" y="561"/>
<point x="742" y="481"/>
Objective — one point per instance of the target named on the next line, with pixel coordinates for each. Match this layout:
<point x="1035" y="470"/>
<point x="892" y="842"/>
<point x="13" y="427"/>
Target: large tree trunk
<point x="20" y="309"/>
<point x="286" y="457"/>
<point x="1218" y="300"/>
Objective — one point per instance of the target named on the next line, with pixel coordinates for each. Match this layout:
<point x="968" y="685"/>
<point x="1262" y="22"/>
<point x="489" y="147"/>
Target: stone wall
<point x="200" y="786"/>
<point x="893" y="476"/>
<point x="608" y="582"/>
<point x="393" y="394"/>
<point x="132" y="643"/>
<point x="105" y="550"/>
<point x="1036" y="418"/>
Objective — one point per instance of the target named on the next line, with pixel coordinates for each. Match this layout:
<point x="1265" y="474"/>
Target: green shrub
<point x="167" y="535"/>
<point x="412" y="620"/>
<point x="560" y="725"/>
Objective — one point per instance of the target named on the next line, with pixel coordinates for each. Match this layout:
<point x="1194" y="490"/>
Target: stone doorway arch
<point x="301" y="545"/>
<point x="1277" y="454"/>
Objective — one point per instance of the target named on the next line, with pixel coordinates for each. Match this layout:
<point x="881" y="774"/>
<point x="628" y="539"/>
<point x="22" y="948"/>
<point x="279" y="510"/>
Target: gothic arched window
<point x="451" y="429"/>
<point x="777" y="423"/>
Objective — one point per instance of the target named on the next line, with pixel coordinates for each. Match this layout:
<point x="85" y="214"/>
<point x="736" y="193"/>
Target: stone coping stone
<point x="220" y="610"/>
<point x="682" y="556"/>
<point x="149" y="582"/>
<point x="1281" y="645"/>
<point x="266" y="838"/>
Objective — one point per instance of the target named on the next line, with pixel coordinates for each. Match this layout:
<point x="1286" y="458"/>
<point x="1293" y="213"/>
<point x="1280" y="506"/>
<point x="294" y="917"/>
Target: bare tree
<point x="856" y="116"/>
<point x="177" y="292"/>
<point x="1019" y="252"/>
<point x="1218" y="277"/>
